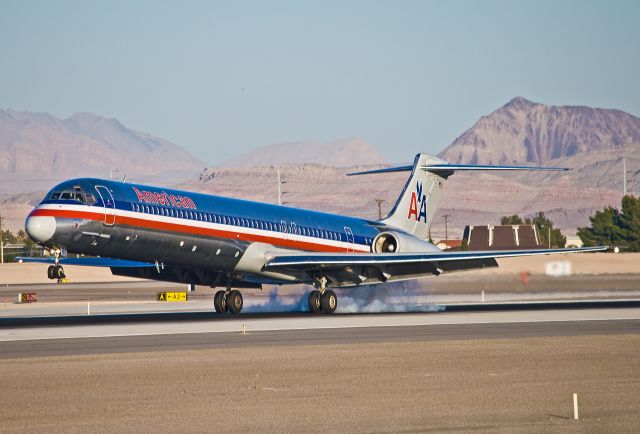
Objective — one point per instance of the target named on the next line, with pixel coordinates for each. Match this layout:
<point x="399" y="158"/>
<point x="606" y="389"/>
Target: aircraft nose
<point x="40" y="228"/>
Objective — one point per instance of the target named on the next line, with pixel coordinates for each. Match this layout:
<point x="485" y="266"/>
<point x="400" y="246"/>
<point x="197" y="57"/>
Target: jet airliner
<point x="199" y="239"/>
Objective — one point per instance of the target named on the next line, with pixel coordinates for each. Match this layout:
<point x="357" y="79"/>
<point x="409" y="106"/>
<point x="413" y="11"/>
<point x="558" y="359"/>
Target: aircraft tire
<point x="220" y="302"/>
<point x="329" y="301"/>
<point x="50" y="272"/>
<point x="234" y="301"/>
<point x="315" y="305"/>
<point x="57" y="272"/>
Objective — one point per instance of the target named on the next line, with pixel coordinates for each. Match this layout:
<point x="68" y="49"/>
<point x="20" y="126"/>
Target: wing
<point x="349" y="269"/>
<point x="88" y="262"/>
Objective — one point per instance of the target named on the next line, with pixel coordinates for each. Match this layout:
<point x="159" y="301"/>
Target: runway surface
<point x="492" y="367"/>
<point x="98" y="334"/>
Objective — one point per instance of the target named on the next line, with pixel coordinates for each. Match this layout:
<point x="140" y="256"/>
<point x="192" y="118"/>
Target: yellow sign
<point x="176" y="296"/>
<point x="171" y="296"/>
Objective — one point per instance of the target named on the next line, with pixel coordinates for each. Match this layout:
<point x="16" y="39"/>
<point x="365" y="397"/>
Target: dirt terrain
<point x="501" y="385"/>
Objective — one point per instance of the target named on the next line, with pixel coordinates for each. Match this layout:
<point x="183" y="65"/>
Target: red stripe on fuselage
<point x="194" y="230"/>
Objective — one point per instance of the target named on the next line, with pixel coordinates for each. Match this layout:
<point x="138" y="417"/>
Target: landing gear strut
<point x="228" y="301"/>
<point x="56" y="271"/>
<point x="322" y="299"/>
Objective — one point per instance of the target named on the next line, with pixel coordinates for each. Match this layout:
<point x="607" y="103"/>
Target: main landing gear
<point x="228" y="301"/>
<point x="322" y="299"/>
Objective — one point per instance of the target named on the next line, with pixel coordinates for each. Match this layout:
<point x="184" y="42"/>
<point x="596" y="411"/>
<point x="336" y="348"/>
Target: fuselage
<point x="185" y="230"/>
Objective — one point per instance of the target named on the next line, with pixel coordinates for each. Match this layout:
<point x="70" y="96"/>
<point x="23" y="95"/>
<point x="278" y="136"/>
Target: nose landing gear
<point x="56" y="271"/>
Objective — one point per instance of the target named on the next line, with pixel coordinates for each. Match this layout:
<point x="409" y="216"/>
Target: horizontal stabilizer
<point x="385" y="170"/>
<point x="454" y="167"/>
<point x="445" y="167"/>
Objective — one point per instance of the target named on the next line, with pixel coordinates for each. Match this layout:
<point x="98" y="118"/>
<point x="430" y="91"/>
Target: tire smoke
<point x="385" y="297"/>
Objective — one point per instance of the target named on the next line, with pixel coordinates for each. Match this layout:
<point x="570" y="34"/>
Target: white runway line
<point x="313" y="322"/>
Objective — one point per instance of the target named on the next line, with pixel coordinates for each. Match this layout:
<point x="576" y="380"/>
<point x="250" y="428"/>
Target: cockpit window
<point x="76" y="194"/>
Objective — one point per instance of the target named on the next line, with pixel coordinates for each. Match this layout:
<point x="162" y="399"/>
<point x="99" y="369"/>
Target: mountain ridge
<point x="337" y="153"/>
<point x="42" y="146"/>
<point x="525" y="131"/>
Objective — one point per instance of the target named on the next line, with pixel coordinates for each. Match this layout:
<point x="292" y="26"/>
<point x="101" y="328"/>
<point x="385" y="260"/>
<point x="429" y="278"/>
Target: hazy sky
<point x="220" y="78"/>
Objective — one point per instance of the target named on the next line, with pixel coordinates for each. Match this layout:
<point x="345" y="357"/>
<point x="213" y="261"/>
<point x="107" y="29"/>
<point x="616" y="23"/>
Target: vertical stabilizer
<point x="418" y="202"/>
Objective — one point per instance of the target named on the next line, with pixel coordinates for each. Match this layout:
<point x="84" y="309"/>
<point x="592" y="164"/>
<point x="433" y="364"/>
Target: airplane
<point x="198" y="239"/>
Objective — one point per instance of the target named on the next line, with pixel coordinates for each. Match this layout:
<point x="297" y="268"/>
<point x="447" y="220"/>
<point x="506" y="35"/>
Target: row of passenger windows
<point x="237" y="221"/>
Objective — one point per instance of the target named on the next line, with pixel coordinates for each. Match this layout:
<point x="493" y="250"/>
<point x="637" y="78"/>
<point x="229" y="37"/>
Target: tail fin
<point x="418" y="202"/>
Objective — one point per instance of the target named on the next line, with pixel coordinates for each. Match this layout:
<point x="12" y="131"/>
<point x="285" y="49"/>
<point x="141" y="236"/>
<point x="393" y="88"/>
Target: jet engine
<point x="398" y="242"/>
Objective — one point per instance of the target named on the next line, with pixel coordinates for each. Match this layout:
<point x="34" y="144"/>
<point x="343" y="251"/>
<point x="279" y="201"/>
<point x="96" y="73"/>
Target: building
<point x="449" y="244"/>
<point x="501" y="237"/>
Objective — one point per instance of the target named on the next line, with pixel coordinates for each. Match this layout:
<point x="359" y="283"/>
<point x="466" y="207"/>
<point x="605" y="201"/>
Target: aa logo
<point x="418" y="205"/>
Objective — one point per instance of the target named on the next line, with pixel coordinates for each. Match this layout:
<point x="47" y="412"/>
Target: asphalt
<point x="190" y="316"/>
<point x="288" y="338"/>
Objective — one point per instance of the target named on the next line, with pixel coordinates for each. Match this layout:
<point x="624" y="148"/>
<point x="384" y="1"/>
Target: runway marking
<point x="314" y="323"/>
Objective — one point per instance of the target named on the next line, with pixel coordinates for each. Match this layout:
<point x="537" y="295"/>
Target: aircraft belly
<point x="142" y="244"/>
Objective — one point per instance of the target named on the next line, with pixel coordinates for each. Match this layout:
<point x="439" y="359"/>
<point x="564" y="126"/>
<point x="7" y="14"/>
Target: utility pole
<point x="1" y="243"/>
<point x="446" y="226"/>
<point x="279" y="188"/>
<point x="548" y="234"/>
<point x="280" y="192"/>
<point x="379" y="202"/>
<point x="624" y="177"/>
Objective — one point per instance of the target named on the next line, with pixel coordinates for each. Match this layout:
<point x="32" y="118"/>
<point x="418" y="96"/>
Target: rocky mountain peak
<point x="524" y="131"/>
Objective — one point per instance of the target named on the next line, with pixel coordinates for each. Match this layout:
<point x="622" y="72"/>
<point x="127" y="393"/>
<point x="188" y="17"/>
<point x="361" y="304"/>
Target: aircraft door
<point x="109" y="205"/>
<point x="349" y="233"/>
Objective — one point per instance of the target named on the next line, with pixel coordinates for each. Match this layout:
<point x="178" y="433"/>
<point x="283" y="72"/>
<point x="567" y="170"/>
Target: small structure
<point x="501" y="237"/>
<point x="449" y="244"/>
<point x="574" y="242"/>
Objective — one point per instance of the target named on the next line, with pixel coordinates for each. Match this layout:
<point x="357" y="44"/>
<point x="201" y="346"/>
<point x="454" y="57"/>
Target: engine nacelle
<point x="398" y="242"/>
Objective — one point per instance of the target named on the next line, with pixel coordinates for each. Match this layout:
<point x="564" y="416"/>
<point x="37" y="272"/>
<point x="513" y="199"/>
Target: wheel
<point x="329" y="301"/>
<point x="220" y="302"/>
<point x="57" y="272"/>
<point x="314" y="301"/>
<point x="50" y="272"/>
<point x="234" y="301"/>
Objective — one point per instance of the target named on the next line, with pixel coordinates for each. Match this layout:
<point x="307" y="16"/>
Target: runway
<point x="493" y="367"/>
<point x="160" y="332"/>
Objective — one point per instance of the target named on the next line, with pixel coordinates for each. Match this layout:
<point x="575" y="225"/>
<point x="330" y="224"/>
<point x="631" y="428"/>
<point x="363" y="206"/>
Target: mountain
<point x="38" y="149"/>
<point x="590" y="141"/>
<point x="523" y="131"/>
<point x="338" y="153"/>
<point x="469" y="199"/>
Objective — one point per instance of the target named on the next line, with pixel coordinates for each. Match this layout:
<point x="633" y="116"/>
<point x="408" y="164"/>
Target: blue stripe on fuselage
<point x="124" y="194"/>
